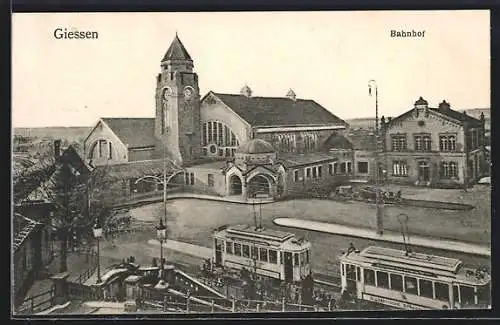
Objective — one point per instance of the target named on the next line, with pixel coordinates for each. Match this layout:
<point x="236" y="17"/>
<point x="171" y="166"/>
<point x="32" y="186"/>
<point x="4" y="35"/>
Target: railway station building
<point x="224" y="144"/>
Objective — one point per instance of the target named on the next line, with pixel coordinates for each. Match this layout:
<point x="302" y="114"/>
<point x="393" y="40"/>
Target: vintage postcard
<point x="250" y="162"/>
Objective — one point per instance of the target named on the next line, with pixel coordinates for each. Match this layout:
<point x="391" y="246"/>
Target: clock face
<point x="187" y="92"/>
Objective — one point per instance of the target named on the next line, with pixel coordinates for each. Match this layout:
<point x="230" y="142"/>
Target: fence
<point x="38" y="302"/>
<point x="82" y="292"/>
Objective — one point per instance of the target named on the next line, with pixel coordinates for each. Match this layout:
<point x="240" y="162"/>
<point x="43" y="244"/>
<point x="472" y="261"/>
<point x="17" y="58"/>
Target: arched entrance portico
<point x="235" y="187"/>
<point x="260" y="184"/>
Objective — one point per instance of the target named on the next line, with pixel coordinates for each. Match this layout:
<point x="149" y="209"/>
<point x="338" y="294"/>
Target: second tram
<point x="410" y="280"/>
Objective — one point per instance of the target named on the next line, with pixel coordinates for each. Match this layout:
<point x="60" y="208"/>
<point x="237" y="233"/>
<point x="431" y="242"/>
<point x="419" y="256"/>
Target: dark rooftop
<point x="279" y="111"/>
<point x="176" y="51"/>
<point x="133" y="132"/>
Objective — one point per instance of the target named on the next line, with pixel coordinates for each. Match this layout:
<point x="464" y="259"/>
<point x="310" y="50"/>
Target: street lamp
<point x="98" y="234"/>
<point x="373" y="84"/>
<point x="403" y="221"/>
<point x="161" y="234"/>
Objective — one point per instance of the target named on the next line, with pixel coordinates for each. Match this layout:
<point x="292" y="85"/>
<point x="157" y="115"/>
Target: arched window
<point x="217" y="134"/>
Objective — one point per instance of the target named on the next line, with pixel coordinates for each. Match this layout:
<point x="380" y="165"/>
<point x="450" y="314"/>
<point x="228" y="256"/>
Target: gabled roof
<point x="337" y="141"/>
<point x="176" y="51"/>
<point x="22" y="228"/>
<point x="363" y="141"/>
<point x="455" y="116"/>
<point x="461" y="117"/>
<point x="278" y="111"/>
<point x="132" y="131"/>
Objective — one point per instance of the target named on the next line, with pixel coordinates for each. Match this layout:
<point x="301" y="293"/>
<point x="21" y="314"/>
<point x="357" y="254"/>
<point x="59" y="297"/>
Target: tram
<point x="409" y="280"/>
<point x="267" y="253"/>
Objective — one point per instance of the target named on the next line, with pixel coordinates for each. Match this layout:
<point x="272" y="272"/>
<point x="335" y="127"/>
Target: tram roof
<point x="414" y="259"/>
<point x="252" y="231"/>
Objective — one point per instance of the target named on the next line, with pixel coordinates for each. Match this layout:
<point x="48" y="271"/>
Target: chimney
<point x="444" y="105"/>
<point x="421" y="103"/>
<point x="291" y="94"/>
<point x="246" y="91"/>
<point x="57" y="148"/>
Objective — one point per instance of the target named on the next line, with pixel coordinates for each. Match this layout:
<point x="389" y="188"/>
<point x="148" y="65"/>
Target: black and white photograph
<point x="225" y="163"/>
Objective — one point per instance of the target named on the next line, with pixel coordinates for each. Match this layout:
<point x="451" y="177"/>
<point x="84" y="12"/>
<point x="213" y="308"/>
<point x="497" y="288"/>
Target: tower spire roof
<point x="177" y="51"/>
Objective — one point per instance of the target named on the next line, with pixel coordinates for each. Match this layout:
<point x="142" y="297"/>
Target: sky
<point x="325" y="56"/>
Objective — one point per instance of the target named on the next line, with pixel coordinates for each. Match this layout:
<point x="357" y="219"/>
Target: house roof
<point x="461" y="117"/>
<point x="363" y="141"/>
<point x="176" y="51"/>
<point x="31" y="183"/>
<point x="337" y="141"/>
<point x="456" y="116"/>
<point x="132" y="131"/>
<point x="22" y="228"/>
<point x="279" y="111"/>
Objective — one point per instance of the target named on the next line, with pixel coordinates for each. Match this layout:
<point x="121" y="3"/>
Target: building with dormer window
<point x="433" y="146"/>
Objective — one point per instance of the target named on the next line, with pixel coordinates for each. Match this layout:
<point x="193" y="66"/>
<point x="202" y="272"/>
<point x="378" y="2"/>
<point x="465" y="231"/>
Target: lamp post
<point x="403" y="221"/>
<point x="161" y="234"/>
<point x="98" y="234"/>
<point x="161" y="230"/>
<point x="373" y="84"/>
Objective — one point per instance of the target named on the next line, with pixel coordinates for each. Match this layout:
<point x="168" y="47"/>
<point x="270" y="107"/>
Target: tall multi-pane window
<point x="399" y="168"/>
<point x="398" y="142"/>
<point x="449" y="169"/>
<point x="447" y="143"/>
<point x="422" y="142"/>
<point x="110" y="150"/>
<point x="295" y="175"/>
<point x="221" y="135"/>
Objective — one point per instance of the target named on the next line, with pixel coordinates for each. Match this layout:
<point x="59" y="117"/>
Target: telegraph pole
<point x="373" y="83"/>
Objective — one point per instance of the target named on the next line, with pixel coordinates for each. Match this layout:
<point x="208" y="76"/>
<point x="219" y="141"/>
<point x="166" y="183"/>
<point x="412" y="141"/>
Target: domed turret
<point x="255" y="146"/>
<point x="255" y="152"/>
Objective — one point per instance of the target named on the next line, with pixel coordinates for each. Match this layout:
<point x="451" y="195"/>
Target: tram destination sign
<point x="390" y="302"/>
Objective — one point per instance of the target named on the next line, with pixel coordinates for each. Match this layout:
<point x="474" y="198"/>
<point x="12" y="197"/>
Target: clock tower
<point x="177" y="120"/>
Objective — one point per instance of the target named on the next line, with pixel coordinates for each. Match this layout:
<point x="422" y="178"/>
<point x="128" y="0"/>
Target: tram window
<point x="273" y="256"/>
<point x="263" y="254"/>
<point x="246" y="250"/>
<point x="382" y="279"/>
<point x="425" y="288"/>
<point x="484" y="294"/>
<point x="442" y="291"/>
<point x="302" y="258"/>
<point x="255" y="253"/>
<point x="357" y="273"/>
<point x="455" y="294"/>
<point x="307" y="256"/>
<point x="369" y="277"/>
<point x="350" y="271"/>
<point x="237" y="249"/>
<point x="229" y="247"/>
<point x="467" y="295"/>
<point x="295" y="259"/>
<point x="396" y="282"/>
<point x="411" y="285"/>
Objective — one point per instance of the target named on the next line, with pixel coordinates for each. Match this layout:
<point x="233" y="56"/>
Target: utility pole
<point x="373" y="83"/>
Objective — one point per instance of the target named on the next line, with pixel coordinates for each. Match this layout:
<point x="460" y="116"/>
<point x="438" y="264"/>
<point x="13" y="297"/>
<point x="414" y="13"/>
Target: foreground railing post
<point x="283" y="304"/>
<point x="188" y="301"/>
<point x="212" y="306"/>
<point x="233" y="308"/>
<point x="330" y="305"/>
<point x="165" y="303"/>
<point x="258" y="307"/>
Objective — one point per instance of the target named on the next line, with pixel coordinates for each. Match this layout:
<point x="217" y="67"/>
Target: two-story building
<point x="433" y="146"/>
